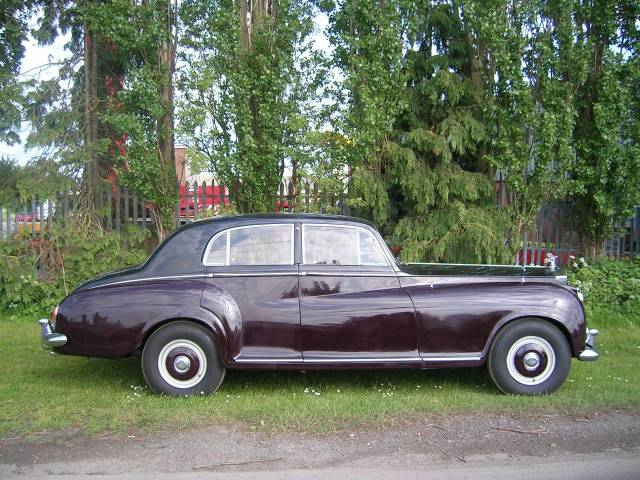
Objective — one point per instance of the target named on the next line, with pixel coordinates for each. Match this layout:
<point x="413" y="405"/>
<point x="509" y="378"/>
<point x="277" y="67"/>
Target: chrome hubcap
<point x="182" y="363"/>
<point x="531" y="360"/>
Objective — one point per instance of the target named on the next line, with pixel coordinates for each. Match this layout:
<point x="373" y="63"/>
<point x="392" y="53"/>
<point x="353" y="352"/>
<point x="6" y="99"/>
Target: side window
<point x="328" y="245"/>
<point x="218" y="250"/>
<point x="335" y="245"/>
<point x="255" y="245"/>
<point x="370" y="251"/>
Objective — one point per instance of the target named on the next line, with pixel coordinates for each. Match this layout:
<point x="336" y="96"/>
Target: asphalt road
<point x="598" y="446"/>
<point x="573" y="467"/>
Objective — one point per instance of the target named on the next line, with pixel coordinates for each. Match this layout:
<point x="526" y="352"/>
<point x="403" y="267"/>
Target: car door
<point x="352" y="307"/>
<point x="255" y="265"/>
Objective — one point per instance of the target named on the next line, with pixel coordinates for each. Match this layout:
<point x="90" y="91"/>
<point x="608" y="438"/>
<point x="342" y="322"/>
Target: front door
<point x="353" y="309"/>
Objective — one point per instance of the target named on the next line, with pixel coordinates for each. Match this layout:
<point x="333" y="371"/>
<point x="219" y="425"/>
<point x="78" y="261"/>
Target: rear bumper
<point x="589" y="354"/>
<point x="49" y="338"/>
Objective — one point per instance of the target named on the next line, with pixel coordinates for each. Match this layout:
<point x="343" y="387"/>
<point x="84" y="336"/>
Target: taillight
<point x="54" y="314"/>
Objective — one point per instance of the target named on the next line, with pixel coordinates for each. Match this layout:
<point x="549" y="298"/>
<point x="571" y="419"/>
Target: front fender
<point x="456" y="316"/>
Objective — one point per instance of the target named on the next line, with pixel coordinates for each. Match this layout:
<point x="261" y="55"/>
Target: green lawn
<point x="41" y="393"/>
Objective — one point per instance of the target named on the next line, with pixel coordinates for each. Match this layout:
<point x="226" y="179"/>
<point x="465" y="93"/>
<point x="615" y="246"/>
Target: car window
<point x="255" y="245"/>
<point x="336" y="245"/>
<point x="370" y="251"/>
<point x="218" y="250"/>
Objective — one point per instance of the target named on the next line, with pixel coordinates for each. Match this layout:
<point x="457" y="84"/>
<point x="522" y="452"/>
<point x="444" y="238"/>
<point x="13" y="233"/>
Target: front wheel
<point x="529" y="357"/>
<point x="181" y="359"/>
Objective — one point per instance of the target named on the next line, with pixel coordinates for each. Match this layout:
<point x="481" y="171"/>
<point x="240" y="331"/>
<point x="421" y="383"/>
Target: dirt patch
<point x="464" y="438"/>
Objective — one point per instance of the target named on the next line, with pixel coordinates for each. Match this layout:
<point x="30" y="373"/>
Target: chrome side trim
<point x="268" y="360"/>
<point x="452" y="358"/>
<point x="362" y="360"/>
<point x="255" y="274"/>
<point x="440" y="359"/>
<point x="149" y="279"/>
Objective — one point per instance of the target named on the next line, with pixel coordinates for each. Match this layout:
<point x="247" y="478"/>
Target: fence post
<point x="204" y="197"/>
<point x="196" y="200"/>
<point x="126" y="205"/>
<point x="186" y="202"/>
<point x="134" y="207"/>
<point x="41" y="219"/>
<point x="280" y="197"/>
<point x="118" y="218"/>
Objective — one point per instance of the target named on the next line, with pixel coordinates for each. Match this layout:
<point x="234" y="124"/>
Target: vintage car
<point x="317" y="291"/>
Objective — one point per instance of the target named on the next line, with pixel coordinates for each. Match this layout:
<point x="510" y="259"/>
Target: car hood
<point x="455" y="269"/>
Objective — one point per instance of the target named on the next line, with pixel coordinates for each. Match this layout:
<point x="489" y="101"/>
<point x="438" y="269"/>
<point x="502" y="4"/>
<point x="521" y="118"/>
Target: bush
<point x="611" y="284"/>
<point x="36" y="273"/>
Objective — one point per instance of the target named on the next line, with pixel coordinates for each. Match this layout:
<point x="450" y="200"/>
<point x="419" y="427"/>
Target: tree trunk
<point x="90" y="118"/>
<point x="163" y="218"/>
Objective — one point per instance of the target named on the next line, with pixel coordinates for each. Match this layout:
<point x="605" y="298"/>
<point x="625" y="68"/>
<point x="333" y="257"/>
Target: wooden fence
<point x="555" y="232"/>
<point x="119" y="207"/>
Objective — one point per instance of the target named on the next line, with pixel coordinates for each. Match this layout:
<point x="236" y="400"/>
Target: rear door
<point x="353" y="309"/>
<point x="255" y="265"/>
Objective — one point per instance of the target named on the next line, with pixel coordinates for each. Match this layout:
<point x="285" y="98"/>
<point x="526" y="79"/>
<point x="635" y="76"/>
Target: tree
<point x="141" y="110"/>
<point x="604" y="72"/>
<point x="247" y="92"/>
<point x="414" y="118"/>
<point x="9" y="174"/>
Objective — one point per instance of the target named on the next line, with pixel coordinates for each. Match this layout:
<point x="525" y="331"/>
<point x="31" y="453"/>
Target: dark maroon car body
<point x="313" y="316"/>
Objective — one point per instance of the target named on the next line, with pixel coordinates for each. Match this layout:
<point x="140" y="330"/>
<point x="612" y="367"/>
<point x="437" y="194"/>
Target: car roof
<point x="258" y="217"/>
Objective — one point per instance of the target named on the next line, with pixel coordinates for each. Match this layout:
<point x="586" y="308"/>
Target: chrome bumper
<point x="589" y="353"/>
<point x="50" y="339"/>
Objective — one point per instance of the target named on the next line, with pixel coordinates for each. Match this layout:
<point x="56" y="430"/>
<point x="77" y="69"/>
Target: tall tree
<point x="603" y="69"/>
<point x="246" y="89"/>
<point x="414" y="116"/>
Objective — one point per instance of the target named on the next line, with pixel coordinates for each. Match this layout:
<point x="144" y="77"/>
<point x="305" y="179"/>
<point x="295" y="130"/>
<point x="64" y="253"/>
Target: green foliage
<point x="417" y="132"/>
<point x="36" y="273"/>
<point x="9" y="173"/>
<point x="247" y="93"/>
<point x="543" y="96"/>
<point x="142" y="108"/>
<point x="608" y="284"/>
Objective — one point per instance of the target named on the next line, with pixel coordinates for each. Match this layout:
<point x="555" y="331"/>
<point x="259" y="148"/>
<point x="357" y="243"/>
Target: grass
<point x="42" y="394"/>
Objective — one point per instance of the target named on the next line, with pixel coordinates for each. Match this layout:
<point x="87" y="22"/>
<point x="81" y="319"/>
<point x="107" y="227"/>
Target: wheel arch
<point x="510" y="321"/>
<point x="217" y="332"/>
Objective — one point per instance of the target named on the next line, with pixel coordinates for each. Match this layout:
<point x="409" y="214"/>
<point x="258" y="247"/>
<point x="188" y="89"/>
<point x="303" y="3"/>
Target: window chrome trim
<point x="227" y="232"/>
<point x="353" y="227"/>
<point x="255" y="274"/>
<point x="347" y="274"/>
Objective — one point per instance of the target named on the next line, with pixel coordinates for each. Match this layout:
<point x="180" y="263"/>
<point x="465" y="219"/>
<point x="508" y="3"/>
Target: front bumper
<point x="50" y="339"/>
<point x="589" y="353"/>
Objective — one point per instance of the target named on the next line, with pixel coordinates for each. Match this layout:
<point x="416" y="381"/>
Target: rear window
<point x="253" y="245"/>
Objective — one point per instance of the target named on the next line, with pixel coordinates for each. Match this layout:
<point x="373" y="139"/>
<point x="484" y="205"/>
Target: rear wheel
<point x="181" y="359"/>
<point x="529" y="357"/>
